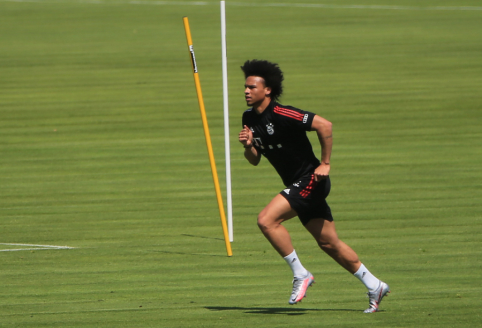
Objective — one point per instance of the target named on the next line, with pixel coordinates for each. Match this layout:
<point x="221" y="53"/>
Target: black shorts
<point x="308" y="198"/>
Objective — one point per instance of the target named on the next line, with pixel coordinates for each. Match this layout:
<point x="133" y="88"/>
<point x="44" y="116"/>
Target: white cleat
<point x="300" y="285"/>
<point x="376" y="297"/>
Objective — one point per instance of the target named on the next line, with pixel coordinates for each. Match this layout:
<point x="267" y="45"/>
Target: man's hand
<point x="324" y="131"/>
<point x="250" y="152"/>
<point x="322" y="172"/>
<point x="246" y="137"/>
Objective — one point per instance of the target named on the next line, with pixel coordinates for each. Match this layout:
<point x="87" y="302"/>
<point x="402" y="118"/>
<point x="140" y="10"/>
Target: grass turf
<point x="102" y="149"/>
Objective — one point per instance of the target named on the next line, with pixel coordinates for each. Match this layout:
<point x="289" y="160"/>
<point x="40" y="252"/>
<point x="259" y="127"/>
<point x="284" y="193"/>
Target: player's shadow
<point x="277" y="310"/>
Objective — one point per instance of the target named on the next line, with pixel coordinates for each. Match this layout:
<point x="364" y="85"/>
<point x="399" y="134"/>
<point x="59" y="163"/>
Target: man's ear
<point x="268" y="91"/>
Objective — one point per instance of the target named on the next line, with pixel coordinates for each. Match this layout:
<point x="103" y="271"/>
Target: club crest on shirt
<point x="270" y="128"/>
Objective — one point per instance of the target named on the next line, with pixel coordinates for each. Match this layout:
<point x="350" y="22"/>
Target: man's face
<point x="255" y="90"/>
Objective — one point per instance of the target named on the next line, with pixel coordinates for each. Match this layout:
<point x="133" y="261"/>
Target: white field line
<point x="29" y="247"/>
<point x="249" y="4"/>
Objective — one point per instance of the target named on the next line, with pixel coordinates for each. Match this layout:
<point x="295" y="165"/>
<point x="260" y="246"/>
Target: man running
<point x="279" y="133"/>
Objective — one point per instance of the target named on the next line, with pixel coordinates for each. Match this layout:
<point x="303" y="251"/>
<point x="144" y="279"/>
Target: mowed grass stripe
<point x="272" y="4"/>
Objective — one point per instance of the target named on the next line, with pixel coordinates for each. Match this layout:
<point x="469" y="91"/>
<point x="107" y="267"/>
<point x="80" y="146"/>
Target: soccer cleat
<point x="376" y="297"/>
<point x="300" y="285"/>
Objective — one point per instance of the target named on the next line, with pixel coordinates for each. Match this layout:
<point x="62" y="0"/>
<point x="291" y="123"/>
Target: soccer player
<point x="278" y="133"/>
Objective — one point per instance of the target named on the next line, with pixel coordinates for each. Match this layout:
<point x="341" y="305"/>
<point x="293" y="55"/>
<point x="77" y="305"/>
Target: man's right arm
<point x="250" y="152"/>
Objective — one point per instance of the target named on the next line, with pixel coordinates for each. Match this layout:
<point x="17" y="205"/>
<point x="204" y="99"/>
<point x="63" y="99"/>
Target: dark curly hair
<point x="270" y="72"/>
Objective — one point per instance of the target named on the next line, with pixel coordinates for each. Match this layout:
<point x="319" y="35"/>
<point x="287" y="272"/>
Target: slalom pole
<point x="227" y="150"/>
<point x="207" y="135"/>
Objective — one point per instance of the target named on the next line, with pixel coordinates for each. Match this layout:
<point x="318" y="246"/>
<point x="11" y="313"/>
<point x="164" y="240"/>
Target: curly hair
<point x="270" y="72"/>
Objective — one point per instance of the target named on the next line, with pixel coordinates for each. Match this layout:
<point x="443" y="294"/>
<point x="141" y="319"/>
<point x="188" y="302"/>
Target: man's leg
<point x="269" y="221"/>
<point x="325" y="234"/>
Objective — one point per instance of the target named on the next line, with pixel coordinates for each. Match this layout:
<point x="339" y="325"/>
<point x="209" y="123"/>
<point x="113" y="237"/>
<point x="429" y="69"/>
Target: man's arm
<point x="251" y="154"/>
<point x="323" y="129"/>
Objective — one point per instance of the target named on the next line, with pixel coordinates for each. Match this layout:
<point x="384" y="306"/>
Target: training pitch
<point x="108" y="215"/>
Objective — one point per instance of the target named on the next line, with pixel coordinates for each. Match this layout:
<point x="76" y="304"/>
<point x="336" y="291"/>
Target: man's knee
<point x="265" y="222"/>
<point x="330" y="246"/>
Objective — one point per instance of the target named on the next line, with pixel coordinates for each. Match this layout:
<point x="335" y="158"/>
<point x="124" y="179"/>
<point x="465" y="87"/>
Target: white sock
<point x="370" y="281"/>
<point x="294" y="262"/>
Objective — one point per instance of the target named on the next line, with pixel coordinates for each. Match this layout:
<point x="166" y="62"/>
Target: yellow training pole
<point x="208" y="137"/>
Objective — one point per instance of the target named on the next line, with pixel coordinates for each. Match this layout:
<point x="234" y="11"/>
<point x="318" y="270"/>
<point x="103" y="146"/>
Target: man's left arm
<point x="323" y="129"/>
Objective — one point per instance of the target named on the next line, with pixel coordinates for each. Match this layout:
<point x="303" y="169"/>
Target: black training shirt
<point x="279" y="133"/>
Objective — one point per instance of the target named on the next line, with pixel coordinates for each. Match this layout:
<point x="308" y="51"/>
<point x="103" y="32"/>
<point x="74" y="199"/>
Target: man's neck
<point x="259" y="109"/>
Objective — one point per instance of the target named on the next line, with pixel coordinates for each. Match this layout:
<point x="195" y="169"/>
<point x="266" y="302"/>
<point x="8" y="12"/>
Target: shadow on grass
<point x="193" y="254"/>
<point x="281" y="310"/>
<point x="194" y="236"/>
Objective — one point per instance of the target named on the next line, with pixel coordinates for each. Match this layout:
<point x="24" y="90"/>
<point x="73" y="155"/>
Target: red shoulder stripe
<point x="289" y="113"/>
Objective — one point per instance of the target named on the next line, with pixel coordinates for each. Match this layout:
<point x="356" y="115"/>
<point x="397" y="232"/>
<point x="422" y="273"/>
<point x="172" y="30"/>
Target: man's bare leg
<point x="325" y="234"/>
<point x="269" y="221"/>
<point x="327" y="238"/>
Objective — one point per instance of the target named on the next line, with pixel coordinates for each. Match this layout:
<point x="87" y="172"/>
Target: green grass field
<point x="102" y="150"/>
